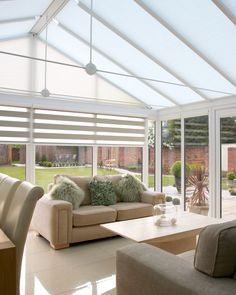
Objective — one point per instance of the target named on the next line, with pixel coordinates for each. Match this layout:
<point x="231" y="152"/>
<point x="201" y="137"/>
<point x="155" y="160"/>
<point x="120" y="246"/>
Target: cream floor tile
<point x="84" y="268"/>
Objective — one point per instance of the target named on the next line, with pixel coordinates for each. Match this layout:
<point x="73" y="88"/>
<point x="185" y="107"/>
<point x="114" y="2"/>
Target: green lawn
<point x="45" y="175"/>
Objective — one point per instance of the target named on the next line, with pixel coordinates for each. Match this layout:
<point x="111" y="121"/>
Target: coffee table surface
<point x="144" y="229"/>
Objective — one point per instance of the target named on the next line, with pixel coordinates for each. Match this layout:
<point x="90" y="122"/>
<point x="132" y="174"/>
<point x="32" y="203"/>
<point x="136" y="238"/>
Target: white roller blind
<point x="86" y="128"/>
<point x="14" y="124"/>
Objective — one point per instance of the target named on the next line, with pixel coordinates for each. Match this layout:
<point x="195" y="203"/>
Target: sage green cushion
<point x="215" y="254"/>
<point x="102" y="192"/>
<point x="67" y="190"/>
<point x="130" y="189"/>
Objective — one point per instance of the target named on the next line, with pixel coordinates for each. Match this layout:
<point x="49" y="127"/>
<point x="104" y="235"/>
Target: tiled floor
<point x="86" y="268"/>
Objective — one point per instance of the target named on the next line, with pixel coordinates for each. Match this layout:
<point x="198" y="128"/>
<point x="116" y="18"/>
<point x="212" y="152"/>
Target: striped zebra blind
<point x="14" y="124"/>
<point x="84" y="128"/>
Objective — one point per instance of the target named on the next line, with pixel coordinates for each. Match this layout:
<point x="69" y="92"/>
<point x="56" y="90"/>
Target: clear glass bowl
<point x="165" y="214"/>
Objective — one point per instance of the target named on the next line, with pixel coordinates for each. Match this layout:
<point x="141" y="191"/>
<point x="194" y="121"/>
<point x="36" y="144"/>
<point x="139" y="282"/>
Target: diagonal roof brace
<point x="18" y="20"/>
<point x="184" y="40"/>
<point x="141" y="49"/>
<point x="63" y="27"/>
<point x="225" y="10"/>
<point x="53" y="9"/>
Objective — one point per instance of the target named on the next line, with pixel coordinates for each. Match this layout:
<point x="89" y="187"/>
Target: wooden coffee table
<point x="175" y="238"/>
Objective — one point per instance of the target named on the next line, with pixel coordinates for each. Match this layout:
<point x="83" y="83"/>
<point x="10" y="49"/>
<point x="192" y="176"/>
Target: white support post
<point x="95" y="157"/>
<point x="30" y="153"/>
<point x="182" y="164"/>
<point x="158" y="157"/>
<point x="145" y="156"/>
<point x="216" y="198"/>
<point x="212" y="164"/>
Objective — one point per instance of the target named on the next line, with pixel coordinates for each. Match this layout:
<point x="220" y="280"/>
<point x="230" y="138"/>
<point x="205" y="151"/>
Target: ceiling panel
<point x="161" y="44"/>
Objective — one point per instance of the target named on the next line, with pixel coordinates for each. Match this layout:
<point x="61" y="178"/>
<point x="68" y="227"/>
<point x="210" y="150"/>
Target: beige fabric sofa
<point x="60" y="225"/>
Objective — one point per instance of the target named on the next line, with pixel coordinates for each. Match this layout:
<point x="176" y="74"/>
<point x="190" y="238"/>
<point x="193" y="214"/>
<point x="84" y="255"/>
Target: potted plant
<point x="230" y="179"/>
<point x="198" y="202"/>
<point x="176" y="171"/>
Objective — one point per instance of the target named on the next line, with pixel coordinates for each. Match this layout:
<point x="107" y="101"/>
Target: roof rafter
<point x="142" y="50"/>
<point x="184" y="40"/>
<point x="53" y="9"/>
<point x="117" y="63"/>
<point x="17" y="20"/>
<point x="99" y="75"/>
<point x="225" y="10"/>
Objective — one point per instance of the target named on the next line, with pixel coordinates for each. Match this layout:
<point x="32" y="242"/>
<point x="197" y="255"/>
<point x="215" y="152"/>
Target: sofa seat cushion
<point x="91" y="215"/>
<point x="132" y="210"/>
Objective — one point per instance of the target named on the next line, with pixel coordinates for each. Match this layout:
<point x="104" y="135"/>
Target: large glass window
<point x="228" y="167"/>
<point x="117" y="160"/>
<point x="171" y="156"/>
<point x="196" y="164"/>
<point x="67" y="160"/>
<point x="151" y="153"/>
<point x="12" y="160"/>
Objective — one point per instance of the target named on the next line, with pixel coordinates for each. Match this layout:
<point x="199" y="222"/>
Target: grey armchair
<point x="146" y="270"/>
<point x="17" y="221"/>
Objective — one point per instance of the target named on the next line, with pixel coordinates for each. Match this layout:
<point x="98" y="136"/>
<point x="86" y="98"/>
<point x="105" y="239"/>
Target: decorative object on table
<point x="169" y="199"/>
<point x="198" y="202"/>
<point x="165" y="214"/>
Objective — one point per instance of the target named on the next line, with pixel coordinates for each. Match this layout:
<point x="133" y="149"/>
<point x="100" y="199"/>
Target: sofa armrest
<point x="143" y="269"/>
<point x="152" y="197"/>
<point x="53" y="220"/>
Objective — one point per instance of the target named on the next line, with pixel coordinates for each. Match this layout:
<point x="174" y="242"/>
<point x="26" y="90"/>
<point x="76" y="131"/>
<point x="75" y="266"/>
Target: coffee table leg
<point x="176" y="246"/>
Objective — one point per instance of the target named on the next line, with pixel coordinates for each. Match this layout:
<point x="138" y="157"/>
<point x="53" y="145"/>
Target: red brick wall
<point x="231" y="159"/>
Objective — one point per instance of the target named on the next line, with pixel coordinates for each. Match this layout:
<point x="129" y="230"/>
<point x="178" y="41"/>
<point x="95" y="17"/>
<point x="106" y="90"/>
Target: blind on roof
<point x="84" y="128"/>
<point x="14" y="124"/>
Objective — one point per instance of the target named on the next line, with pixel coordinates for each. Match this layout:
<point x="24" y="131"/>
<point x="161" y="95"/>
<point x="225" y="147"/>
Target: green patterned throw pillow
<point x="67" y="190"/>
<point x="130" y="189"/>
<point x="102" y="192"/>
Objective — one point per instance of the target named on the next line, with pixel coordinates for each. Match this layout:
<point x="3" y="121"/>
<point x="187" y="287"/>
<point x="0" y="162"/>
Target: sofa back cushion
<point x="67" y="190"/>
<point x="102" y="192"/>
<point x="215" y="254"/>
<point x="115" y="178"/>
<point x="129" y="189"/>
<point x="82" y="182"/>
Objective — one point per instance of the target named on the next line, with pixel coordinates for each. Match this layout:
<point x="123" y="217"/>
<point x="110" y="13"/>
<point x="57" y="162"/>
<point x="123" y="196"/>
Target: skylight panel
<point x="161" y="44"/>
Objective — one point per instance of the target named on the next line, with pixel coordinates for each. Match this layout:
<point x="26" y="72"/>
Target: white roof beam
<point x="53" y="9"/>
<point x="118" y="64"/>
<point x="142" y="50"/>
<point x="184" y="40"/>
<point x="17" y="20"/>
<point x="225" y="10"/>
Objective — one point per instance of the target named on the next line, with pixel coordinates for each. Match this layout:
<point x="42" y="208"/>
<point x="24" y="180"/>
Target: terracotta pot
<point x="203" y="210"/>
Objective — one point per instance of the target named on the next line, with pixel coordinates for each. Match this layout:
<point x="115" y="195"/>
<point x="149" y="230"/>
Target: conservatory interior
<point x="98" y="87"/>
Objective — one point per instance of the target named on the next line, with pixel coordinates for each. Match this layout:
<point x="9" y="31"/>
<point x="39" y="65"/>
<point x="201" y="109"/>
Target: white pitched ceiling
<point x="164" y="53"/>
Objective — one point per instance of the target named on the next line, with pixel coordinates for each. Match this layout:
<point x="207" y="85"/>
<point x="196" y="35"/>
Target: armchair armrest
<point x="152" y="197"/>
<point x="143" y="269"/>
<point x="53" y="220"/>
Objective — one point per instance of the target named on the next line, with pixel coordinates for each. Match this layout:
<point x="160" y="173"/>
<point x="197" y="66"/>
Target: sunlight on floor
<point x="84" y="269"/>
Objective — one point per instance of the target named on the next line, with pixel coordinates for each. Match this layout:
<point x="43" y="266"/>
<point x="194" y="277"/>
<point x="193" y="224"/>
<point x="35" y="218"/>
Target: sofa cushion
<point x="82" y="182"/>
<point x="67" y="190"/>
<point x="132" y="210"/>
<point x="114" y="178"/>
<point x="102" y="192"/>
<point x="91" y="215"/>
<point x="215" y="253"/>
<point x="130" y="188"/>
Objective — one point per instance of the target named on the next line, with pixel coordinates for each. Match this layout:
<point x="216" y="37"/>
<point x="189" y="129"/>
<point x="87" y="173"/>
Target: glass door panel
<point x="228" y="167"/>
<point x="196" y="145"/>
<point x="171" y="158"/>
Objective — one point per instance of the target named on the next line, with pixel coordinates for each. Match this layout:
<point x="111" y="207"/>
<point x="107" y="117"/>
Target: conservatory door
<point x="227" y="153"/>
